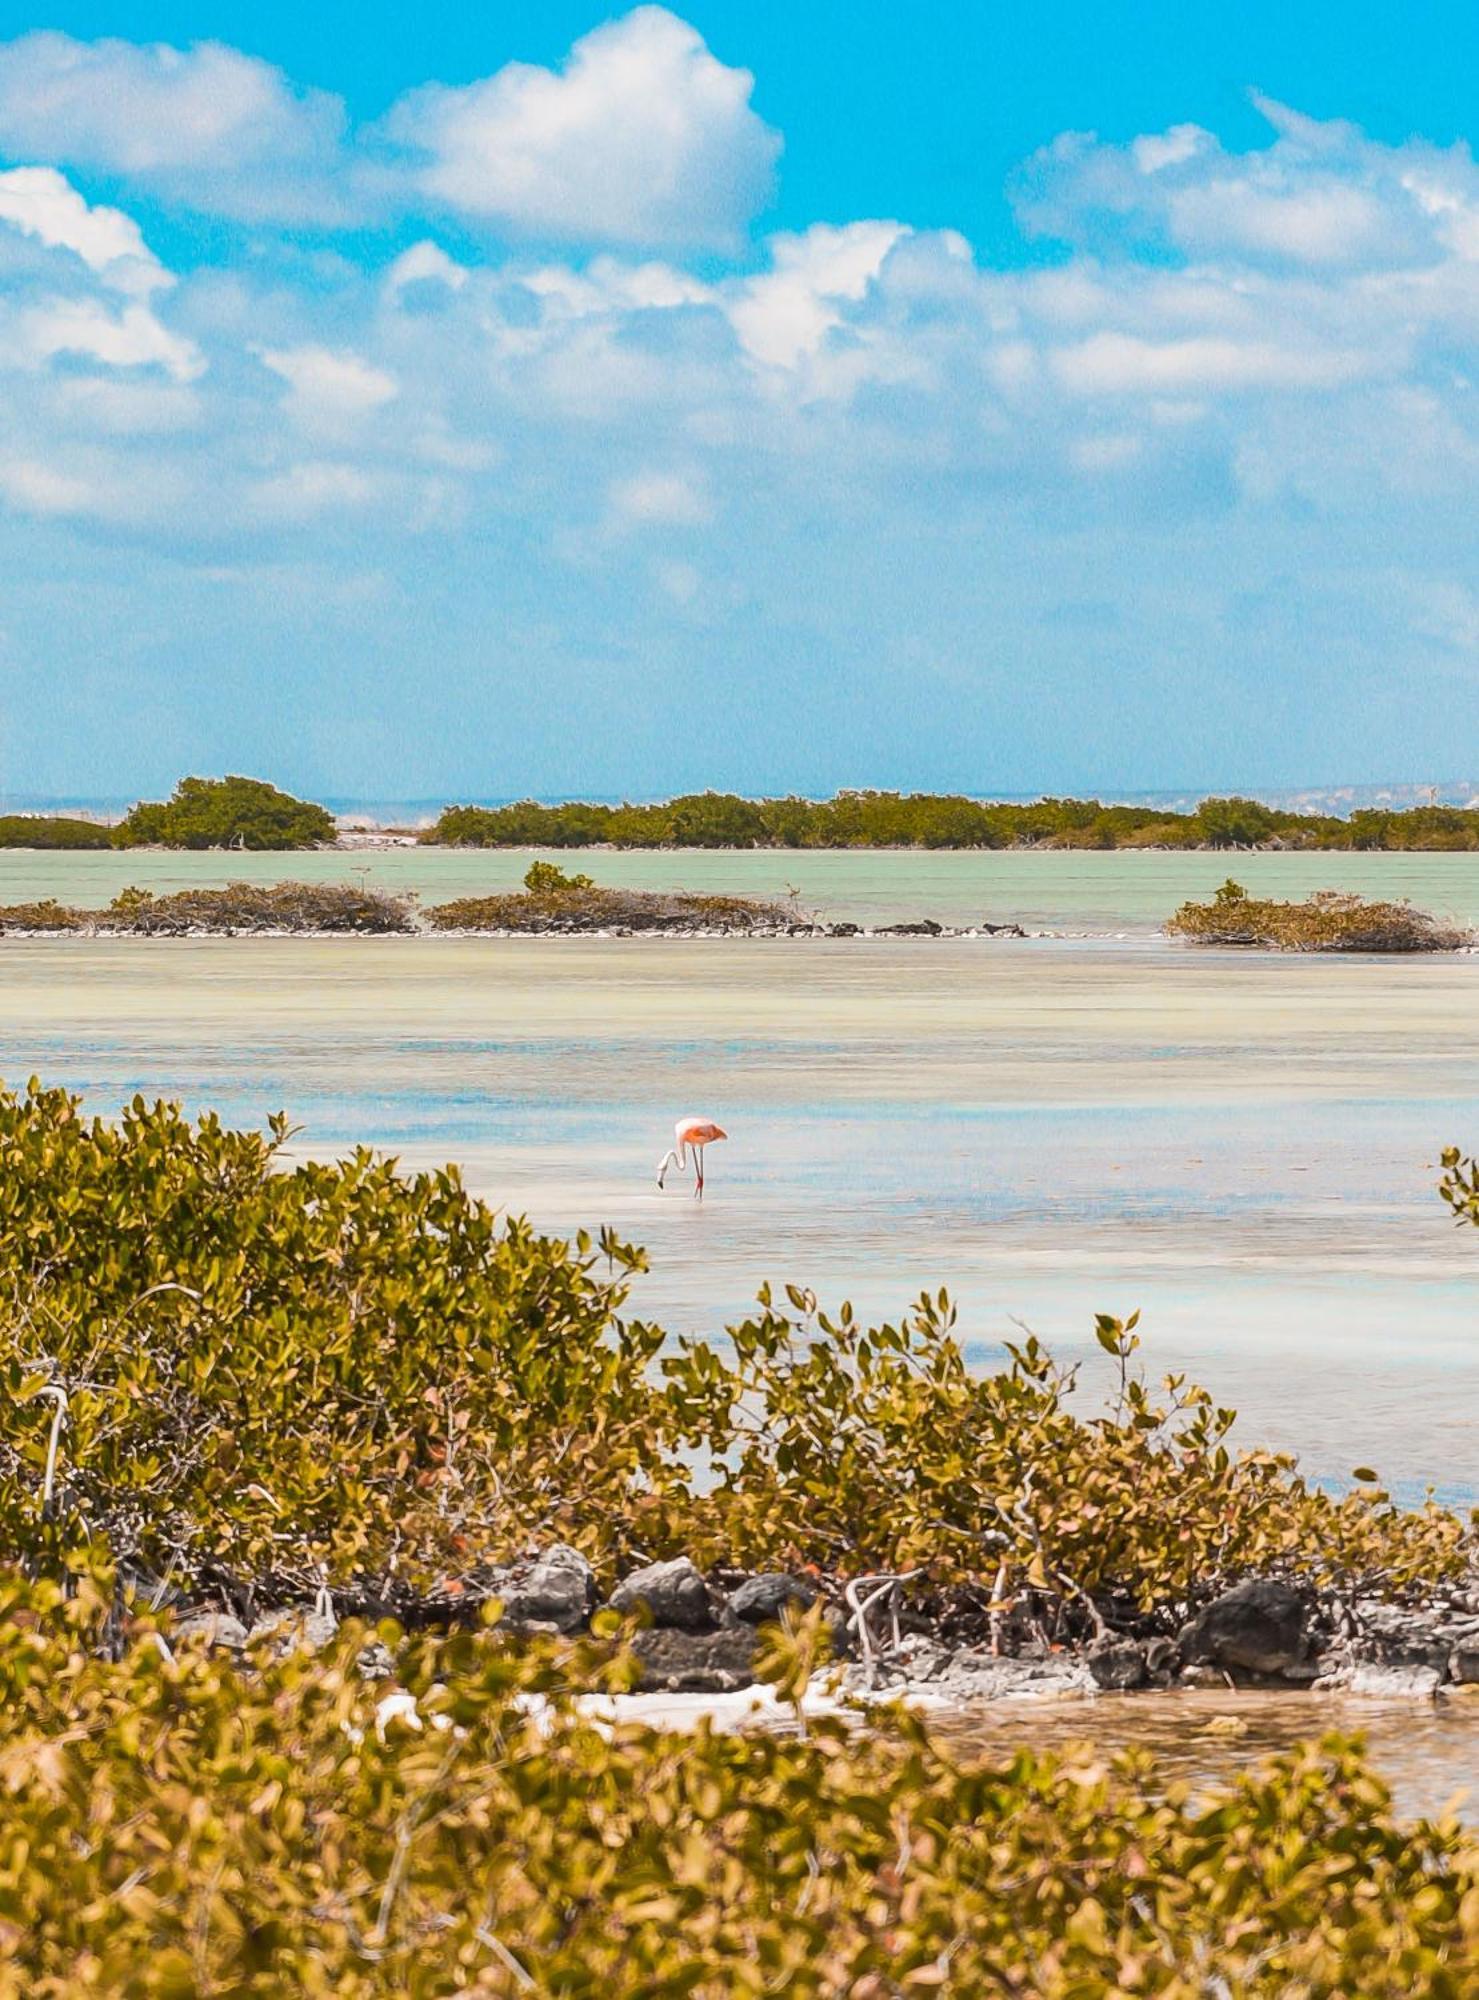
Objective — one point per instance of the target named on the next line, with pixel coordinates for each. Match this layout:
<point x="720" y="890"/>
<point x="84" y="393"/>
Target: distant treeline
<point x="921" y="819"/>
<point x="247" y="814"/>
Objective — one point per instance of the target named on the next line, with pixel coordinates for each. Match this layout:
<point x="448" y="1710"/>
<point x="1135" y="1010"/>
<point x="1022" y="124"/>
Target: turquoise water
<point x="1243" y="1147"/>
<point x="1099" y="893"/>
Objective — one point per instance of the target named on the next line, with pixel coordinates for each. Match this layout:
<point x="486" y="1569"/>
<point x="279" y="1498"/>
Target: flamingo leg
<point x="698" y="1162"/>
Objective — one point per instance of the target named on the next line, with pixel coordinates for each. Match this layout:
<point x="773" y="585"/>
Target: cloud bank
<point x="540" y="380"/>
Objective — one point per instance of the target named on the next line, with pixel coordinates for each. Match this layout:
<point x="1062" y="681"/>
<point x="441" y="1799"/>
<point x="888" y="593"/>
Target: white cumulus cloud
<point x="661" y="499"/>
<point x="131" y="338"/>
<point x="1322" y="195"/>
<point x="788" y="310"/>
<point x="643" y="137"/>
<point x="425" y="263"/>
<point x="31" y="487"/>
<point x="1120" y="363"/>
<point x="208" y="126"/>
<point x="43" y="204"/>
<point x="315" y="486"/>
<point x="326" y="382"/>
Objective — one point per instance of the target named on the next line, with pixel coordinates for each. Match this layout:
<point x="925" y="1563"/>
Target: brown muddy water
<point x="1427" y="1752"/>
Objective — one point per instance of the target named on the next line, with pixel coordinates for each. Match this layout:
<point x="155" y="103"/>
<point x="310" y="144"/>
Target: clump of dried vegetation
<point x="1330" y="920"/>
<point x="551" y="900"/>
<point x="241" y="906"/>
<point x="47" y="915"/>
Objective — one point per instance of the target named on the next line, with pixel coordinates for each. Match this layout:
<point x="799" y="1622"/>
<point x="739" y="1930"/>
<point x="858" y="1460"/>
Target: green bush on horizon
<point x="875" y="819"/>
<point x="226" y="812"/>
<point x="52" y="830"/>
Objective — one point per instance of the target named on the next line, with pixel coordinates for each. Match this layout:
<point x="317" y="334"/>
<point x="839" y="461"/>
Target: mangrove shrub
<point x="269" y="1377"/>
<point x="921" y="819"/>
<point x="226" y="812"/>
<point x="178" y="1825"/>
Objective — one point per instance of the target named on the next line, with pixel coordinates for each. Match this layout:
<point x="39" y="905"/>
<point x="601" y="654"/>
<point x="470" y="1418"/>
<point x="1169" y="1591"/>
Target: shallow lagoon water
<point x="1426" y="1752"/>
<point x="1245" y="1148"/>
<point x="1069" y="891"/>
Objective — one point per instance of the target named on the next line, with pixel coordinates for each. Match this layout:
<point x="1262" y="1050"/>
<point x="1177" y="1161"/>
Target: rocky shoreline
<point x="925" y="928"/>
<point x="697" y="1634"/>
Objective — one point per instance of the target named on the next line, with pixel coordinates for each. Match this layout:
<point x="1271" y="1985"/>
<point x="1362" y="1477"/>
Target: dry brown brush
<point x="1330" y="920"/>
<point x="554" y="901"/>
<point x="315" y="907"/>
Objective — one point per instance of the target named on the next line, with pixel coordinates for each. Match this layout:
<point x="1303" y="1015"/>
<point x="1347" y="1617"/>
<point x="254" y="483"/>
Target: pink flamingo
<point x="690" y="1135"/>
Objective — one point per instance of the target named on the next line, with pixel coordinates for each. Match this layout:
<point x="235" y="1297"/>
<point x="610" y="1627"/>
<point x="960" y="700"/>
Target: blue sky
<point x="540" y="399"/>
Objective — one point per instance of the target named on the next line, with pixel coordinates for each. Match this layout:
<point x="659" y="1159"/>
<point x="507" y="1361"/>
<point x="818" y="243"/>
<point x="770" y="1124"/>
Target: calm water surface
<point x="1427" y="1752"/>
<point x="1242" y="1147"/>
<point x="1117" y="892"/>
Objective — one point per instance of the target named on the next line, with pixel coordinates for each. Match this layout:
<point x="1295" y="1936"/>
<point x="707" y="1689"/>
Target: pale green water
<point x="1132" y="893"/>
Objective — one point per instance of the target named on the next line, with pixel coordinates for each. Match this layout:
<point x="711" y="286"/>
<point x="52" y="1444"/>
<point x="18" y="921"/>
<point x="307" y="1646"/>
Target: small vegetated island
<point x="891" y="819"/>
<point x="554" y="901"/>
<point x="318" y="909"/>
<point x="1327" y="921"/>
<point x="330" y="1499"/>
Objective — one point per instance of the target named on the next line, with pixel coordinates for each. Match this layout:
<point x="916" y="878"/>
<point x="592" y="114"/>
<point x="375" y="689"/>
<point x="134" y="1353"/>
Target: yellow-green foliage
<point x="879" y="1447"/>
<point x="1460" y="1185"/>
<point x="271" y="1373"/>
<point x="1326" y="921"/>
<point x="47" y="915"/>
<point x="544" y="878"/>
<point x="272" y="1377"/>
<point x="179" y="1826"/>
